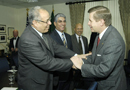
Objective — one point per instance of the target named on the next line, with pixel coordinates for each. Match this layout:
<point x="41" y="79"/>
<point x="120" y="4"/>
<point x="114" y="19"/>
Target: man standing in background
<point x="79" y="42"/>
<point x="64" y="39"/>
<point x="13" y="46"/>
<point x="80" y="46"/>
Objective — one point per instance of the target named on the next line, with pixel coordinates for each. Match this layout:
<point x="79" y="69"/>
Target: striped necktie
<point x="64" y="41"/>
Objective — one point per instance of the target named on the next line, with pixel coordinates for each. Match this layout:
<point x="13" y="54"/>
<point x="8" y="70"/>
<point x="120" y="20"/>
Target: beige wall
<point x="13" y="17"/>
<point x="9" y="18"/>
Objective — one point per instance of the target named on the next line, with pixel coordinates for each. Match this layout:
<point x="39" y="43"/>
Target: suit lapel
<point x="76" y="42"/>
<point x="101" y="43"/>
<point x="68" y="40"/>
<point x="58" y="38"/>
<point x="94" y="50"/>
<point x="84" y="42"/>
<point x="49" y="43"/>
<point x="35" y="33"/>
<point x="104" y="37"/>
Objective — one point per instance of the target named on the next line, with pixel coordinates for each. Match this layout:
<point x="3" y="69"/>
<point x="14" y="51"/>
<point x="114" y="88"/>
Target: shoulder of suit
<point x="73" y="35"/>
<point x="84" y="37"/>
<point x="52" y="33"/>
<point x="67" y="34"/>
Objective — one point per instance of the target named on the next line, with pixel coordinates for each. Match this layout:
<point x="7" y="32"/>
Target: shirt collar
<point x="60" y="33"/>
<point x="16" y="37"/>
<point x="37" y="31"/>
<point x="101" y="34"/>
<point x="78" y="36"/>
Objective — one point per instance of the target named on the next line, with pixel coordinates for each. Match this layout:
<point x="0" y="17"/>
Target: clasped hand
<point x="77" y="60"/>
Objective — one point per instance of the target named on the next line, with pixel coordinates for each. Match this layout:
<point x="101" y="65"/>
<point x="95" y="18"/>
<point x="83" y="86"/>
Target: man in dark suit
<point x="80" y="46"/>
<point x="106" y="62"/>
<point x="59" y="36"/>
<point x="36" y="54"/>
<point x="13" y="46"/>
<point x="75" y="40"/>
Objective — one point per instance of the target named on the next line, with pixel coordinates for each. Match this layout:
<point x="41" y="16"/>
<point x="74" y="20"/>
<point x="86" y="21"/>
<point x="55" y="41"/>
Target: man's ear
<point x="34" y="22"/>
<point x="55" y="24"/>
<point x="102" y="22"/>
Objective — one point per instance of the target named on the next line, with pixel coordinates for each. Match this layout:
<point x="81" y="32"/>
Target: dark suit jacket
<point x="92" y="39"/>
<point x="36" y="61"/>
<point x="58" y="39"/>
<point x="63" y="76"/>
<point x="11" y="45"/>
<point x="75" y="44"/>
<point x="106" y="62"/>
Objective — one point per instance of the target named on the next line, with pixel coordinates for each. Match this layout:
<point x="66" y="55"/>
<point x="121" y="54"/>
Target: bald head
<point x="15" y="33"/>
<point x="78" y="29"/>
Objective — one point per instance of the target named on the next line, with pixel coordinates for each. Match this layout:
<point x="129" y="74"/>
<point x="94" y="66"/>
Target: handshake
<point x="77" y="60"/>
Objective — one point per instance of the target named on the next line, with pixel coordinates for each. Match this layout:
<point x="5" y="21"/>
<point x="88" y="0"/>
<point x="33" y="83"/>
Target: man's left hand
<point x="77" y="61"/>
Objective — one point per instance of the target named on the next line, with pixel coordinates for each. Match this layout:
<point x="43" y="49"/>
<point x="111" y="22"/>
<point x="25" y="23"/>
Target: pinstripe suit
<point x="106" y="62"/>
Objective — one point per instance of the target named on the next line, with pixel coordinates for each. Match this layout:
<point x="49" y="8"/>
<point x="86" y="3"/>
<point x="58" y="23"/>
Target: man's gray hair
<point x="59" y="15"/>
<point x="34" y="14"/>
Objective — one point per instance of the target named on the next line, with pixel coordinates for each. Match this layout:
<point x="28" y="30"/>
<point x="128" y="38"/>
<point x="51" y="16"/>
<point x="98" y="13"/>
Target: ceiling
<point x="19" y="4"/>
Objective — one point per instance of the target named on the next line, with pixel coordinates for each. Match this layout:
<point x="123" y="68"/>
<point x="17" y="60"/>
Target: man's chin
<point x="92" y="30"/>
<point x="46" y="31"/>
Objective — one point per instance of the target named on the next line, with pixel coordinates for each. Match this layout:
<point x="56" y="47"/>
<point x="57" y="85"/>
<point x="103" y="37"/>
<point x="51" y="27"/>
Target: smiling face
<point x="60" y="24"/>
<point x="93" y="24"/>
<point x="79" y="29"/>
<point x="42" y="27"/>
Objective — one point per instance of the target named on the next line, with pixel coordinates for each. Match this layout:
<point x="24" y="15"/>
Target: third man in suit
<point x="77" y="38"/>
<point x="64" y="39"/>
<point x="80" y="46"/>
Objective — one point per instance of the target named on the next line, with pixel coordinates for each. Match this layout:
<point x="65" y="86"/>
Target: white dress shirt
<point x="60" y="34"/>
<point x="14" y="42"/>
<point x="102" y="33"/>
<point x="77" y="36"/>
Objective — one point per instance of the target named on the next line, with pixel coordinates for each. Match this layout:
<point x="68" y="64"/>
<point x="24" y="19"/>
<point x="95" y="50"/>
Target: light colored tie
<point x="45" y="40"/>
<point x="64" y="41"/>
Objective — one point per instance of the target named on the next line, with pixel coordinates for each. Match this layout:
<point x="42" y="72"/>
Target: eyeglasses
<point x="44" y="21"/>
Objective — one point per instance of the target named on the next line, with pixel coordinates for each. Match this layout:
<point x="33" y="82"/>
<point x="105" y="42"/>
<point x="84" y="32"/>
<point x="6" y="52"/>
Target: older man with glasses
<point x="37" y="51"/>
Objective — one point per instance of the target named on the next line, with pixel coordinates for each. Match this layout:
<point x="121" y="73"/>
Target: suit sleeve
<point x="108" y="60"/>
<point x="37" y="54"/>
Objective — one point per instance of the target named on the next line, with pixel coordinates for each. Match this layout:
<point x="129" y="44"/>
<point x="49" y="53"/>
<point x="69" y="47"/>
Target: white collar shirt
<point x="60" y="34"/>
<point x="77" y="36"/>
<point x="101" y="34"/>
<point x="14" y="42"/>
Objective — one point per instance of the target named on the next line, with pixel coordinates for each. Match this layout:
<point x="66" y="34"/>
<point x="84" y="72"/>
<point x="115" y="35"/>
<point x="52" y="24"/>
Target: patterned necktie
<point x="64" y="41"/>
<point x="98" y="41"/>
<point x="45" y="40"/>
<point x="80" y="45"/>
